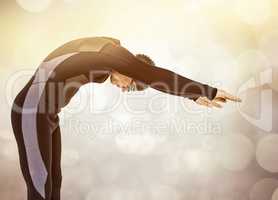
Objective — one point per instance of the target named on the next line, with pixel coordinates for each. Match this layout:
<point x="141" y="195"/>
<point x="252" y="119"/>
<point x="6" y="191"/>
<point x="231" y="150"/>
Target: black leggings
<point x="49" y="142"/>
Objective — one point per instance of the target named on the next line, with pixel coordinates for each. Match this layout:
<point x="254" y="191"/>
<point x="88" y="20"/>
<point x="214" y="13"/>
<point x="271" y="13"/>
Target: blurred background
<point x="149" y="145"/>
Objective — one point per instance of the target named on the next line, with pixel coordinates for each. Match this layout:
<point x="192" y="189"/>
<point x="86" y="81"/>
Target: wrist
<point x="214" y="93"/>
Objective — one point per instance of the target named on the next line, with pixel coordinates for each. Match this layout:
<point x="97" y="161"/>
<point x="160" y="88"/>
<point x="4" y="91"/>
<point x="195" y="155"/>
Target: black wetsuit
<point x="35" y="110"/>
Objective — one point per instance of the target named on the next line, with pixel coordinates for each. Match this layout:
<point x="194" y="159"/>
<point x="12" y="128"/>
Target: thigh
<point x="16" y="125"/>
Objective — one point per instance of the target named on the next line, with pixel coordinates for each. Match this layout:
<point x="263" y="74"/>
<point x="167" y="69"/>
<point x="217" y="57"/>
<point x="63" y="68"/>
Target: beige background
<point x="173" y="149"/>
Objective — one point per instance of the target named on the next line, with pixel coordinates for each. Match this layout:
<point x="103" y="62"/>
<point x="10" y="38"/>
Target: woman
<point x="35" y="110"/>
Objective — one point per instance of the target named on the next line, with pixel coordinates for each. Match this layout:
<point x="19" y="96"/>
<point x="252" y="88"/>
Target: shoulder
<point x="83" y="44"/>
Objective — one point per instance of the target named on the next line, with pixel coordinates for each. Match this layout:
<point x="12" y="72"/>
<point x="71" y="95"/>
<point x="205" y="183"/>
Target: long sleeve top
<point x="85" y="63"/>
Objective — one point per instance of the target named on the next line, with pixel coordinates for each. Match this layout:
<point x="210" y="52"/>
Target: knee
<point x="33" y="194"/>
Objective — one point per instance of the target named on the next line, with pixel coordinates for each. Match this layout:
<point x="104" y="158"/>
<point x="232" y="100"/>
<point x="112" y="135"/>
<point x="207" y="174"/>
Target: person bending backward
<point x="35" y="109"/>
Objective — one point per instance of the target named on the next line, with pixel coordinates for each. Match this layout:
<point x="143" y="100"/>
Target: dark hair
<point x="139" y="85"/>
<point x="145" y="58"/>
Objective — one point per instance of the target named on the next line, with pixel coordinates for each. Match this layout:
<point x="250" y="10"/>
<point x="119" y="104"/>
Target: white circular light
<point x="267" y="152"/>
<point x="263" y="189"/>
<point x="34" y="5"/>
<point x="253" y="12"/>
<point x="235" y="151"/>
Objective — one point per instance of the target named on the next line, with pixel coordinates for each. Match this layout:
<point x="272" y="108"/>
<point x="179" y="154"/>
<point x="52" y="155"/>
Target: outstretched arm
<point x="158" y="78"/>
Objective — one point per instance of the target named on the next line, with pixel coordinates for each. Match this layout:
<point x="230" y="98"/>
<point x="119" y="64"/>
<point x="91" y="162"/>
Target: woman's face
<point x="120" y="80"/>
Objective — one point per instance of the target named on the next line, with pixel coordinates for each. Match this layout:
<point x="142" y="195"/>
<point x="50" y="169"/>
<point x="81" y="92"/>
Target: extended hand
<point x="220" y="97"/>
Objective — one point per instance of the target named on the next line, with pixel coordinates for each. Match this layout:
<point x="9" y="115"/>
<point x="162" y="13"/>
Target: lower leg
<point x="56" y="164"/>
<point x="32" y="194"/>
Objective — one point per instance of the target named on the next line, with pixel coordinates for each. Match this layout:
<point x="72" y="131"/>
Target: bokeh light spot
<point x="263" y="189"/>
<point x="34" y="5"/>
<point x="235" y="151"/>
<point x="267" y="152"/>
